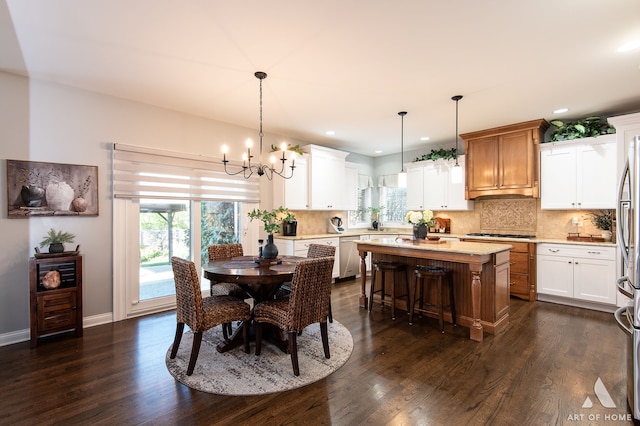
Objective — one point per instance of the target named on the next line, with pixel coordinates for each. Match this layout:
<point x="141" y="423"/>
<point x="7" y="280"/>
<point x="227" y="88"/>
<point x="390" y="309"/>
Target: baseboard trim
<point x="19" y="336"/>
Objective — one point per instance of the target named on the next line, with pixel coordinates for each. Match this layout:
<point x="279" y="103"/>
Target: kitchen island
<point x="480" y="276"/>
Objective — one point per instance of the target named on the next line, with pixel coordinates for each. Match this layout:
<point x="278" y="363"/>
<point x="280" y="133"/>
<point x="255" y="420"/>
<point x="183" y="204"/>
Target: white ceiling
<point x="346" y="66"/>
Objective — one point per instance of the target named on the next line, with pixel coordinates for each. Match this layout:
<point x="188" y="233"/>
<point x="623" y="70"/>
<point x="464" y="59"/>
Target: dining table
<point x="261" y="279"/>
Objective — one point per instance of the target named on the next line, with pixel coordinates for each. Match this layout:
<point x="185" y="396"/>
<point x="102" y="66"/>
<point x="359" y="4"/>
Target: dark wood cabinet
<point x="59" y="309"/>
<point x="504" y="160"/>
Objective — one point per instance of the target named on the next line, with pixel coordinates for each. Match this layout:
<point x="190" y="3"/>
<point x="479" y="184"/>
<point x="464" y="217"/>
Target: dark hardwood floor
<point x="539" y="371"/>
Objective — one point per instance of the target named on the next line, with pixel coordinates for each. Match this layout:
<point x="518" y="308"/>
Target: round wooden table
<point x="260" y="280"/>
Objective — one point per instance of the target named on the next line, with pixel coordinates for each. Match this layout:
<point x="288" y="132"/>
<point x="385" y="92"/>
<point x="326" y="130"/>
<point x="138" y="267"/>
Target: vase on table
<point x="270" y="251"/>
<point x="420" y="231"/>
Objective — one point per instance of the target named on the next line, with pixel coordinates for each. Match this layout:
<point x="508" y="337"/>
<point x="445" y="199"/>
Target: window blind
<point x="140" y="172"/>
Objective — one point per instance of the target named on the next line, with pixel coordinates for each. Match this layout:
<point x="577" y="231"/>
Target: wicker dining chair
<point x="323" y="250"/>
<point x="307" y="304"/>
<point x="221" y="252"/>
<point x="199" y="313"/>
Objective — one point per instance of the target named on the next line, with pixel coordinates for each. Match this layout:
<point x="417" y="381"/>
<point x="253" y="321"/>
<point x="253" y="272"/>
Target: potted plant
<point x="56" y="239"/>
<point x="375" y="216"/>
<point x="421" y="222"/>
<point x="585" y="128"/>
<point x="289" y="222"/>
<point x="602" y="219"/>
<point x="271" y="224"/>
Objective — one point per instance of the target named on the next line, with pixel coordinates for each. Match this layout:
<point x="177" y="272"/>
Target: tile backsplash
<point x="507" y="215"/>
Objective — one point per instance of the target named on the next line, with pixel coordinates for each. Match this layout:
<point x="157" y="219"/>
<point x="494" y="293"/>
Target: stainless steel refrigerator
<point x="628" y="236"/>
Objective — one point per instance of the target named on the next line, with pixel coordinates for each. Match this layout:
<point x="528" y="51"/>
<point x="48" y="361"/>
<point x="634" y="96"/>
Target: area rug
<point x="238" y="373"/>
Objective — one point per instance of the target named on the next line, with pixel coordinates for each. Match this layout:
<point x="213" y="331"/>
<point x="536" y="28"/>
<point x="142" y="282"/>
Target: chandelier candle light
<point x="260" y="169"/>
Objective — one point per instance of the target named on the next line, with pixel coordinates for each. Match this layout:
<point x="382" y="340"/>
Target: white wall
<point x="43" y="121"/>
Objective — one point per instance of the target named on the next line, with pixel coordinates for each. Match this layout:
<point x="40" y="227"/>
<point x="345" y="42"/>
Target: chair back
<point x="321" y="250"/>
<point x="310" y="292"/>
<point x="225" y="251"/>
<point x="189" y="308"/>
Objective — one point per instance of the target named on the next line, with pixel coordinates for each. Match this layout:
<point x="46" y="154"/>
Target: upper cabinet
<point x="293" y="193"/>
<point x="579" y="174"/>
<point x="504" y="160"/>
<point x="326" y="178"/>
<point x="429" y="186"/>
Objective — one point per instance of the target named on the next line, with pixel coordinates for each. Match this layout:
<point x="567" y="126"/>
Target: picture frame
<point x="51" y="189"/>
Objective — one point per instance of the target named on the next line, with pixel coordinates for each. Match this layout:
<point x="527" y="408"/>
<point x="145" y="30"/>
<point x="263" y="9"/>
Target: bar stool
<point x="386" y="267"/>
<point x="431" y="275"/>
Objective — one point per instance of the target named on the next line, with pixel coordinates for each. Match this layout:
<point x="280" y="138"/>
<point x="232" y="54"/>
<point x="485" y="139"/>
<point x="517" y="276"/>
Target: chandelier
<point x="248" y="168"/>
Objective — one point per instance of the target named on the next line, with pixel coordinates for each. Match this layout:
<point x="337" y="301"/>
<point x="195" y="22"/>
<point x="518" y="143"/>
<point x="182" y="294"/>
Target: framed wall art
<point x="51" y="189"/>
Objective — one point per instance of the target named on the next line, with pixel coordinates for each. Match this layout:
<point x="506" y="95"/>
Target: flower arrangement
<point x="424" y="217"/>
<point x="602" y="219"/>
<point x="271" y="218"/>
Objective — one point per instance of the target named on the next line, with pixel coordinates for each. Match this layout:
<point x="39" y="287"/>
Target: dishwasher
<point x="349" y="257"/>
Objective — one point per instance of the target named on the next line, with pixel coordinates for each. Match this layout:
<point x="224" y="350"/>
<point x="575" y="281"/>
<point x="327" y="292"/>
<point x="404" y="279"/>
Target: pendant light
<point x="456" y="171"/>
<point x="402" y="176"/>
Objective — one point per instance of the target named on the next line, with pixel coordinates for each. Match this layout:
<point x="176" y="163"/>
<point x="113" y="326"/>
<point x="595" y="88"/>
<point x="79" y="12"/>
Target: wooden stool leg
<point x="452" y="300"/>
<point x="412" y="297"/>
<point x="393" y="295"/>
<point x="441" y="303"/>
<point x="373" y="286"/>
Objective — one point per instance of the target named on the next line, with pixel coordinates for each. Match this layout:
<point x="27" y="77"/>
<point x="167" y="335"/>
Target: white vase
<point x="59" y="196"/>
<point x="606" y="235"/>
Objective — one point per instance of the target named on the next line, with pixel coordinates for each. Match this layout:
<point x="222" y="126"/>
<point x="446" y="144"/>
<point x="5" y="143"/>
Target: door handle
<point x="621" y="288"/>
<point x="618" y="316"/>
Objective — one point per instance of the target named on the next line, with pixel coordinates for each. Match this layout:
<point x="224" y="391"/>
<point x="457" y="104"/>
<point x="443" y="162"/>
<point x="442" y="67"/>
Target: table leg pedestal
<point x="476" y="330"/>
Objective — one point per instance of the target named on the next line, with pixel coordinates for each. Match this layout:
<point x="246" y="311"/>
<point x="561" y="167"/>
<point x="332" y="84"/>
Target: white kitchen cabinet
<point x="579" y="174"/>
<point x="351" y="186"/>
<point x="293" y="193"/>
<point x="583" y="273"/>
<point x="301" y="247"/>
<point x="326" y="178"/>
<point x="429" y="186"/>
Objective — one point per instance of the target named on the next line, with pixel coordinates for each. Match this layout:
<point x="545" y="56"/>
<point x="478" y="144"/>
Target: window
<point x="360" y="217"/>
<point x="394" y="200"/>
<point x="169" y="204"/>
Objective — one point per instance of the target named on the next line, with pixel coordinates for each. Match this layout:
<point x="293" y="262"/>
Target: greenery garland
<point x="436" y="154"/>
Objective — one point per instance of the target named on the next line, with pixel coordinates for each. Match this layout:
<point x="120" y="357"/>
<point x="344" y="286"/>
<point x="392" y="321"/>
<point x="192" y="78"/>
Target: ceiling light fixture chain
<point x="456" y="171"/>
<point x="402" y="176"/>
<point x="248" y="169"/>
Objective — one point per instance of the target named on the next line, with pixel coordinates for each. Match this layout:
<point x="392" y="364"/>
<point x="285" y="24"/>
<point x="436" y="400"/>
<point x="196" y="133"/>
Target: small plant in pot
<point x="289" y="222"/>
<point x="375" y="216"/>
<point x="56" y="239"/>
<point x="602" y="219"/>
<point x="271" y="224"/>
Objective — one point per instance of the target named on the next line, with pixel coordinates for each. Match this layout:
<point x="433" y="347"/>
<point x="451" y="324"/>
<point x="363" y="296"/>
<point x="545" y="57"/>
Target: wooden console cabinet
<point x="59" y="309"/>
<point x="504" y="160"/>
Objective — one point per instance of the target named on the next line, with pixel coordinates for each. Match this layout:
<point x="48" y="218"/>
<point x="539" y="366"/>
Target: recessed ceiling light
<point x="377" y="151"/>
<point x="560" y="110"/>
<point x="629" y="46"/>
<point x="330" y="133"/>
<point x="425" y="138"/>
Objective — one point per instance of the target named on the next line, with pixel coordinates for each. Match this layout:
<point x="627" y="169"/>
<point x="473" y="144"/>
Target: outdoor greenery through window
<point x="394" y="200"/>
<point x="166" y="230"/>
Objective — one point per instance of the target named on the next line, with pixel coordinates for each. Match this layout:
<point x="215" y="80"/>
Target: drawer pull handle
<point x="554" y="250"/>
<point x="512" y="283"/>
<point x="593" y="252"/>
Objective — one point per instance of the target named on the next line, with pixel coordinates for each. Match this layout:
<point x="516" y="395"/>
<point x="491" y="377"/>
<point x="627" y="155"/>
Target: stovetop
<point x="486" y="234"/>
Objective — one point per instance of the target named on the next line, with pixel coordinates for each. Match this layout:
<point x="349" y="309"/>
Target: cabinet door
<point x="327" y="181"/>
<point x="415" y="188"/>
<point x="293" y="193"/>
<point x="558" y="178"/>
<point x="482" y="164"/>
<point x="516" y="160"/>
<point x="555" y="275"/>
<point x="597" y="176"/>
<point x="594" y="280"/>
<point x="435" y="176"/>
<point x="455" y="191"/>
<point x="351" y="187"/>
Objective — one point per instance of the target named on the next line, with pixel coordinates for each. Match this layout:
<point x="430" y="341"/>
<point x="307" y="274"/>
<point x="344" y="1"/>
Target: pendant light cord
<point x="456" y="98"/>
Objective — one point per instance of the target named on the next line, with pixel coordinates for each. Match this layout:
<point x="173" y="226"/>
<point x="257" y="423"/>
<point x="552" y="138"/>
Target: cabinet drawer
<point x="56" y="311"/>
<point x="568" y="250"/>
<point x="519" y="263"/>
